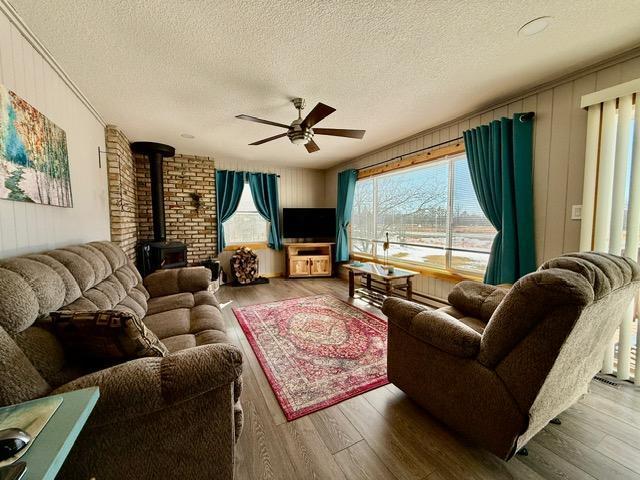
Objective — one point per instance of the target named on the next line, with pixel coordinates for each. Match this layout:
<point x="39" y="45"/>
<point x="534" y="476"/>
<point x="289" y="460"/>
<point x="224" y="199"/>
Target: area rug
<point x="316" y="351"/>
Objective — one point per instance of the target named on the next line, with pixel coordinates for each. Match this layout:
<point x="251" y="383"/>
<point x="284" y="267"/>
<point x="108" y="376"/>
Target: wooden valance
<point x="413" y="160"/>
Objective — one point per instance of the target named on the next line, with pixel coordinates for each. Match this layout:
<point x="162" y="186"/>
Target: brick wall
<point x="130" y="199"/>
<point x="122" y="190"/>
<point x="184" y="175"/>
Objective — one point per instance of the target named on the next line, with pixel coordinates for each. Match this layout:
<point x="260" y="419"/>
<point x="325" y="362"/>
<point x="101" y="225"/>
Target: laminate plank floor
<point x="383" y="435"/>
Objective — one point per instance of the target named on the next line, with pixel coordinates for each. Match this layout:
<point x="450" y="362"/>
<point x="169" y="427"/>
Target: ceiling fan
<point x="300" y="132"/>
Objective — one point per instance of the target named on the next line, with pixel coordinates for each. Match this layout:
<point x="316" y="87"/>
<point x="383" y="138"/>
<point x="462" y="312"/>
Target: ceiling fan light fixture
<point x="300" y="136"/>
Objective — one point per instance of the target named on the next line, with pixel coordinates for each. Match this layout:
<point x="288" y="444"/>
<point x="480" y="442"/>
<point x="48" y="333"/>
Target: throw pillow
<point x="105" y="336"/>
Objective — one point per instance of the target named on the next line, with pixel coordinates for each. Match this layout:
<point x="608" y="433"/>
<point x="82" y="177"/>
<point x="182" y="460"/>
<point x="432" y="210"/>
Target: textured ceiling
<point x="158" y="68"/>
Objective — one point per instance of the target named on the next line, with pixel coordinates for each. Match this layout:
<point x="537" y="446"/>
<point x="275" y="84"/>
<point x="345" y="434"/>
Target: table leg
<point x="409" y="288"/>
<point x="388" y="287"/>
<point x="369" y="282"/>
<point x="352" y="286"/>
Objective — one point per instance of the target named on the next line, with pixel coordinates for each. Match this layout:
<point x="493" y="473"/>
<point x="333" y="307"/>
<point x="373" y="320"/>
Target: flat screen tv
<point x="314" y="223"/>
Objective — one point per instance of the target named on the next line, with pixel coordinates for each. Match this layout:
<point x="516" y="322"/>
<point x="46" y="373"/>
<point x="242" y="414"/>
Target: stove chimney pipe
<point x="156" y="152"/>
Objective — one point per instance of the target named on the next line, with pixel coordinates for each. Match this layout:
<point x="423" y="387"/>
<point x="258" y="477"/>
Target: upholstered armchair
<point x="499" y="364"/>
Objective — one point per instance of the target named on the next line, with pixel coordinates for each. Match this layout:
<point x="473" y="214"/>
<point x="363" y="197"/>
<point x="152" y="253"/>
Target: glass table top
<point x="380" y="270"/>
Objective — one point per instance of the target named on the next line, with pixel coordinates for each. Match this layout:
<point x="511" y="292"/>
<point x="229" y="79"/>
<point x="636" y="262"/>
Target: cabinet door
<point x="320" y="265"/>
<point x="299" y="266"/>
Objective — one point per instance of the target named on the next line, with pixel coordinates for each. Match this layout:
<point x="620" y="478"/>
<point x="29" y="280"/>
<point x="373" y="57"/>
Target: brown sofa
<point x="499" y="364"/>
<point x="172" y="417"/>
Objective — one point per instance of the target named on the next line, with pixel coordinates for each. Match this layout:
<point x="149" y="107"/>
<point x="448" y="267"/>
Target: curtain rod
<point x="523" y="118"/>
<point x="245" y="171"/>
<point x="408" y="153"/>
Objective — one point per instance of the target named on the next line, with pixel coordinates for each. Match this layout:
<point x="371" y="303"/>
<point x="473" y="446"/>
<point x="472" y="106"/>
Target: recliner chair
<point x="499" y="364"/>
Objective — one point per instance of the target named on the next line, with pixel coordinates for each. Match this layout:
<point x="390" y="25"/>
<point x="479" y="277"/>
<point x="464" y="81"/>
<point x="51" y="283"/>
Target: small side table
<point x="52" y="445"/>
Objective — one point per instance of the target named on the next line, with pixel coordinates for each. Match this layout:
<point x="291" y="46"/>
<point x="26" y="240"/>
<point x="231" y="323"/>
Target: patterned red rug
<point x="316" y="351"/>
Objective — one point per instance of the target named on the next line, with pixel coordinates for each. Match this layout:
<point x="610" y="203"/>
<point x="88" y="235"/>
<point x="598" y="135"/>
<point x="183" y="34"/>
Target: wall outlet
<point x="576" y="212"/>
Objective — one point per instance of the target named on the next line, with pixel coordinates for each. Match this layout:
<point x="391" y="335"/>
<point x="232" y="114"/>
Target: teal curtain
<point x="264" y="190"/>
<point x="346" y="191"/>
<point x="229" y="185"/>
<point x="500" y="157"/>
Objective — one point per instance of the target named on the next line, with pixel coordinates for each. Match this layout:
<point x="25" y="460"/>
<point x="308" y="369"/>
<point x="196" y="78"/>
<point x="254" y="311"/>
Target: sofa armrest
<point x="177" y="280"/>
<point x="402" y="311"/>
<point x="477" y="299"/>
<point x="434" y="327"/>
<point x="147" y="385"/>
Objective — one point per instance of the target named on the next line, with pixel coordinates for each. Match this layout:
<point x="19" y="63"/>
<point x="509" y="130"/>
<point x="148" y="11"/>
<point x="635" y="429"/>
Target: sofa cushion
<point x="170" y="302"/>
<point x="473" y="322"/>
<point x="189" y="340"/>
<point x="206" y="317"/>
<point x="79" y="267"/>
<point x="42" y="279"/>
<point x="20" y="381"/>
<point x="169" y="323"/>
<point x="181" y="321"/>
<point x="171" y="281"/>
<point x="106" y="336"/>
<point x="18" y="302"/>
<point x="43" y="349"/>
<point x="181" y="300"/>
<point x="194" y="320"/>
<point x="71" y="288"/>
<point x="205" y="297"/>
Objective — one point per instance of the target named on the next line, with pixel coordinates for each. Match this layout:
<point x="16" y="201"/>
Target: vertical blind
<point x="611" y="199"/>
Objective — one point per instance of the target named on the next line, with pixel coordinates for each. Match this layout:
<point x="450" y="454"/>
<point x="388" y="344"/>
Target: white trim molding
<point x="13" y="16"/>
<point x="611" y="93"/>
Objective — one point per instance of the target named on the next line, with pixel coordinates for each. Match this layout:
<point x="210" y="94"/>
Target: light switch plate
<point x="576" y="212"/>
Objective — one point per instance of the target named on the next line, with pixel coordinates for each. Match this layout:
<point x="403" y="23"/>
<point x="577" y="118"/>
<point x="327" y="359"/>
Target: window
<point x="431" y="214"/>
<point x="246" y="225"/>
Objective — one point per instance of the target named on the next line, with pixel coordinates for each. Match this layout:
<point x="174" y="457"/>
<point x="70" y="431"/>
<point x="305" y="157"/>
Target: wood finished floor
<point x="382" y="434"/>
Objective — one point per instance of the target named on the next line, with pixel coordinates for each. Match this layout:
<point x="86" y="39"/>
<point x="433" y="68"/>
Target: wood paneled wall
<point x="29" y="227"/>
<point x="559" y="146"/>
<point x="299" y="187"/>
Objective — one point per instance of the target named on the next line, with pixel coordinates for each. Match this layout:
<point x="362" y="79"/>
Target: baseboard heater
<point x="422" y="298"/>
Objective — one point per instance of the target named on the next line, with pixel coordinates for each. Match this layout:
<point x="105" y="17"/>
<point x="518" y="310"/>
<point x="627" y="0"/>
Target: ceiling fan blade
<point x="265" y="140"/>
<point x="312" y="146"/>
<point x="319" y="112"/>
<point x="339" y="132"/>
<point x="259" y="120"/>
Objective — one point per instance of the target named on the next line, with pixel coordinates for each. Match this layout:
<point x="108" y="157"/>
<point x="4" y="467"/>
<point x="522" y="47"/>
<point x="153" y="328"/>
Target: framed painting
<point x="34" y="162"/>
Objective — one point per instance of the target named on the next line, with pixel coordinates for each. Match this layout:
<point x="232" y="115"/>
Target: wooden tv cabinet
<point x="308" y="260"/>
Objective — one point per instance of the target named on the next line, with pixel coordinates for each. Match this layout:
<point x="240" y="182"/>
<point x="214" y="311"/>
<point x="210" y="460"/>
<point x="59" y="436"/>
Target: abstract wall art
<point x="34" y="162"/>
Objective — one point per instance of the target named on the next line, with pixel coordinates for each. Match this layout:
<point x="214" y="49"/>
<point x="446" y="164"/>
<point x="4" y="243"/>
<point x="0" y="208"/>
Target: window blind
<point x="611" y="199"/>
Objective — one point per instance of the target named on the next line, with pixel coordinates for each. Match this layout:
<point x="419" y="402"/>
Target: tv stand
<point x="308" y="259"/>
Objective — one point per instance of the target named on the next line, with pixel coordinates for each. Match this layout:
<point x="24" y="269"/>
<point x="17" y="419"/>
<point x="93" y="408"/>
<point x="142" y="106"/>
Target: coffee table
<point x="399" y="282"/>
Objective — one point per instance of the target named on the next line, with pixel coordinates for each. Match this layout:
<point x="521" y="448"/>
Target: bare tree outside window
<point x="431" y="214"/>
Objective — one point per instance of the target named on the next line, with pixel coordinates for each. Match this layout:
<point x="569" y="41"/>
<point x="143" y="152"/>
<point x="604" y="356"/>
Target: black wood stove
<point x="158" y="253"/>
